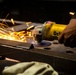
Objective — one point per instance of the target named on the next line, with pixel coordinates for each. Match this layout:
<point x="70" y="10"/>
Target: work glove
<point x="68" y="36"/>
<point x="30" y="68"/>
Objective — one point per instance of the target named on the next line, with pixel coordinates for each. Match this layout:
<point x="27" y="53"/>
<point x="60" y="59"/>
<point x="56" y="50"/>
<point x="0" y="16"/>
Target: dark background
<point x="38" y="10"/>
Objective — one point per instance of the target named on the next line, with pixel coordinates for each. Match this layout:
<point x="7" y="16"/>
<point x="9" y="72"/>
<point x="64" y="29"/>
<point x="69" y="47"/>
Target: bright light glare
<point x="71" y="13"/>
<point x="12" y="21"/>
